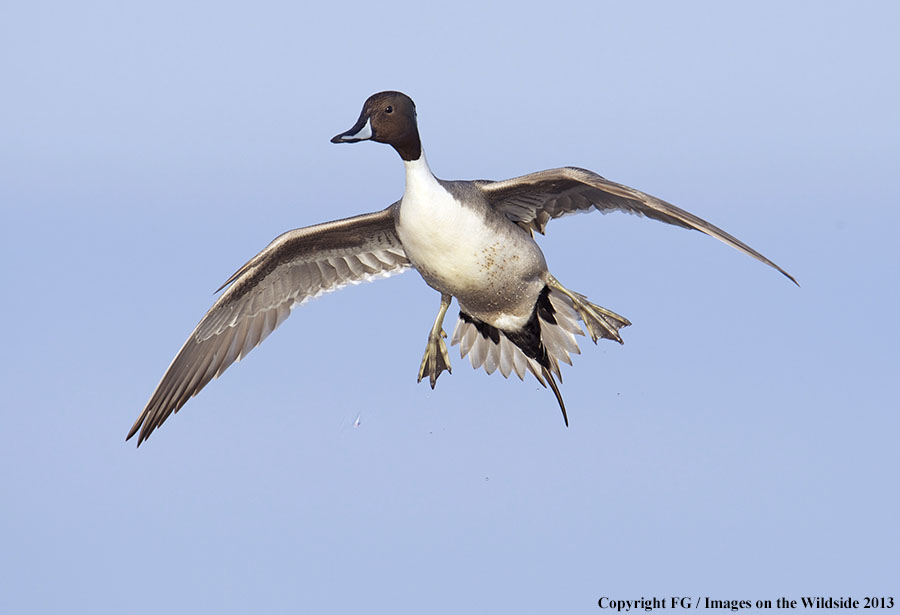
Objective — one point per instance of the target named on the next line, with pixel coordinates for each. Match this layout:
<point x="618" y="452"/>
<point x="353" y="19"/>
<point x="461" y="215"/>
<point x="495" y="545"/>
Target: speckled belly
<point x="492" y="268"/>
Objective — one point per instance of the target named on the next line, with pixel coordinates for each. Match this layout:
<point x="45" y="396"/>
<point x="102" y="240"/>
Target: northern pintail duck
<point x="472" y="240"/>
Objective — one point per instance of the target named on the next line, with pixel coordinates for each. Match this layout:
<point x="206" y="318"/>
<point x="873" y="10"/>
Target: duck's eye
<point x="389" y="109"/>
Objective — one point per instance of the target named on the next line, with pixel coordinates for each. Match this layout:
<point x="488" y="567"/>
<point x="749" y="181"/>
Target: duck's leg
<point x="599" y="321"/>
<point x="436" y="358"/>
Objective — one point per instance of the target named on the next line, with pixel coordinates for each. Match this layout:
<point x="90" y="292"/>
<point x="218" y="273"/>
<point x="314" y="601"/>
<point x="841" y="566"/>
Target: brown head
<point x="387" y="117"/>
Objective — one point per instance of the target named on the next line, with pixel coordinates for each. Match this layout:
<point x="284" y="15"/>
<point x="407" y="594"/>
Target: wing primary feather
<point x="296" y="266"/>
<point x="537" y="198"/>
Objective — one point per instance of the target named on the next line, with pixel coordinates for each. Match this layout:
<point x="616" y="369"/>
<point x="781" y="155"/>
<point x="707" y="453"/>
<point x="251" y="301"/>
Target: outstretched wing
<point x="297" y="266"/>
<point x="533" y="200"/>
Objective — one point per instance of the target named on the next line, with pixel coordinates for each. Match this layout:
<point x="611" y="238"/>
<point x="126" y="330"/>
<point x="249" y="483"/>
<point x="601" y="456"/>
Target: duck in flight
<point x="472" y="240"/>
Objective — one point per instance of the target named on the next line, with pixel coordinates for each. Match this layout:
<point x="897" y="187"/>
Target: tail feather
<point x="538" y="347"/>
<point x="562" y="404"/>
<point x="541" y="344"/>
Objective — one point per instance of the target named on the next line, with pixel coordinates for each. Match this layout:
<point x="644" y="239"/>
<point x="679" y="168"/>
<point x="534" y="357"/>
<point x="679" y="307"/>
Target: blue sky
<point x="741" y="444"/>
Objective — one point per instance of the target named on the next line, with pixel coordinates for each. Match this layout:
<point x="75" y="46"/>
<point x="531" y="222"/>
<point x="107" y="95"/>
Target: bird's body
<point x="472" y="240"/>
<point x="463" y="247"/>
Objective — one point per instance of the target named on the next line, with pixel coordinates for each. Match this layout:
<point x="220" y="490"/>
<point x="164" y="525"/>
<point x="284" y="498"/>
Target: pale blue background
<point x="742" y="444"/>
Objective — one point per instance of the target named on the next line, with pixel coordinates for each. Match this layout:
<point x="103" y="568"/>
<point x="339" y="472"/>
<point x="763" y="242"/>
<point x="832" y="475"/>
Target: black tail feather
<point x="562" y="405"/>
<point x="528" y="340"/>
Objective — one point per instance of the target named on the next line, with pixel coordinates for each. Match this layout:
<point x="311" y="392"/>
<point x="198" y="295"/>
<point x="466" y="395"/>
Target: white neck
<point x="418" y="174"/>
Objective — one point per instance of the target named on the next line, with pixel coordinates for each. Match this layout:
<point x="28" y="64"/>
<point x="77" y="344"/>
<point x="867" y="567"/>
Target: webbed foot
<point x="436" y="359"/>
<point x="599" y="321"/>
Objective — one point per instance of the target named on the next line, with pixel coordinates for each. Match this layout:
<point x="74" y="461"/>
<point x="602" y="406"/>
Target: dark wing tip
<point x="766" y="261"/>
<point x="139" y="425"/>
<point x="134" y="429"/>
<point x="789" y="277"/>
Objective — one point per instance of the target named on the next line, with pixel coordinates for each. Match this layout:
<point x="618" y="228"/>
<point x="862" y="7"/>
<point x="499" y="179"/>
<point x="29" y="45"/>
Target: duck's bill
<point x="361" y="131"/>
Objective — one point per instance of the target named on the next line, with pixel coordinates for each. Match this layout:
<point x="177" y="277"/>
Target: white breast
<point x="493" y="271"/>
<point x="448" y="243"/>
